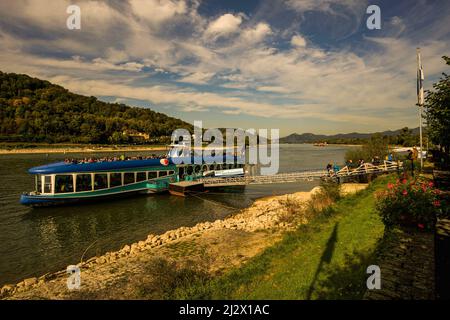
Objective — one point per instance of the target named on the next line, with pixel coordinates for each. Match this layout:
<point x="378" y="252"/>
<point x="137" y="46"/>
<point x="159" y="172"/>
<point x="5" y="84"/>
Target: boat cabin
<point x="92" y="181"/>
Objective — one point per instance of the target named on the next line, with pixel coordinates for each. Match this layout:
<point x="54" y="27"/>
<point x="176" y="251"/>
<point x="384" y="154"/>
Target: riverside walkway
<point x="342" y="175"/>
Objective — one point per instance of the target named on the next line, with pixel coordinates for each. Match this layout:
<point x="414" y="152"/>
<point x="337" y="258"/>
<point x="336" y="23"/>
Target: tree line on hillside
<point x="405" y="138"/>
<point x="33" y="110"/>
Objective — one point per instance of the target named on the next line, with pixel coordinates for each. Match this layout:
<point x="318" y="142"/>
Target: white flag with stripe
<point x="420" y="80"/>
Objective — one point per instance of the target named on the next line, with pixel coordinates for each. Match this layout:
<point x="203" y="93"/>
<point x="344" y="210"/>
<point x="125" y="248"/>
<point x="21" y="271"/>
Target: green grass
<point x="326" y="259"/>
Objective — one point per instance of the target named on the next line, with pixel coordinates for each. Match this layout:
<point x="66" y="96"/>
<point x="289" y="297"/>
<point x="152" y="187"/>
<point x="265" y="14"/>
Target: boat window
<point x="47" y="184"/>
<point x="140" y="176"/>
<point x="38" y="183"/>
<point x="163" y="173"/>
<point x="115" y="179"/>
<point x="100" y="181"/>
<point x="63" y="183"/>
<point x="181" y="172"/>
<point x="152" y="175"/>
<point x="171" y="172"/>
<point x="128" y="177"/>
<point x="84" y="182"/>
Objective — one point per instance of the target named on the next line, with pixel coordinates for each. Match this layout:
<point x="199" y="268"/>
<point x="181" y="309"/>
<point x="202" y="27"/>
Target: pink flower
<point x="404" y="181"/>
<point x="405" y="192"/>
<point x="431" y="184"/>
<point x="390" y="186"/>
<point x="436" y="203"/>
<point x="421" y="226"/>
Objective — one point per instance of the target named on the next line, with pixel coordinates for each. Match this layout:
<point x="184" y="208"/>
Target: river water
<point x="36" y="241"/>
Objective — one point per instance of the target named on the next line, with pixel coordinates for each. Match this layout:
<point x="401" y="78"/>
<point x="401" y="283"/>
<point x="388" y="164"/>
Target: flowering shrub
<point x="410" y="202"/>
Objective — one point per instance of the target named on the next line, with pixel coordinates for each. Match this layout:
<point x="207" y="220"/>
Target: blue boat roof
<point x="64" y="167"/>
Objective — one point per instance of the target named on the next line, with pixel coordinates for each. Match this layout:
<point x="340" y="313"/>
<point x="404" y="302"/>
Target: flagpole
<point x="420" y="99"/>
<point x="421" y="141"/>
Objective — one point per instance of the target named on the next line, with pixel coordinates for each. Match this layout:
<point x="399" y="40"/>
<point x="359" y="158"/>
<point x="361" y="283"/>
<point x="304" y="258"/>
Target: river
<point x="36" y="241"/>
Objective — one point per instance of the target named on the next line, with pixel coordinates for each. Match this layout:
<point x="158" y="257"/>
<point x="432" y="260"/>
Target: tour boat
<point x="75" y="181"/>
<point x="320" y="144"/>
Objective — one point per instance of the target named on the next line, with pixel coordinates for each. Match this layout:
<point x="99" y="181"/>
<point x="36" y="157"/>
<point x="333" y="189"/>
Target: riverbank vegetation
<point x="324" y="259"/>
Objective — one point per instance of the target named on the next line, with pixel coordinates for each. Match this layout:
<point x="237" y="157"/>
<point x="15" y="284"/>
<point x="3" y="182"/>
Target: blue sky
<point x="297" y="65"/>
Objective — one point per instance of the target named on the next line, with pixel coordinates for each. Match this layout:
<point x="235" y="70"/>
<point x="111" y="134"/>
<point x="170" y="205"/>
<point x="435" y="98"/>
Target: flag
<point x="420" y="79"/>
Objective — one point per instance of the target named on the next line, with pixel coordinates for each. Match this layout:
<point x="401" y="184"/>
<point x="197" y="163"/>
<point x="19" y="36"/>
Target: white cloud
<point x="224" y="25"/>
<point x="273" y="89"/>
<point x="256" y="34"/>
<point x="197" y="77"/>
<point x="324" y="5"/>
<point x="156" y="12"/>
<point x="298" y="41"/>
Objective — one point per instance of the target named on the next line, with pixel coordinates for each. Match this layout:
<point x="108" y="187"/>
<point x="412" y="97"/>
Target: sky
<point x="294" y="65"/>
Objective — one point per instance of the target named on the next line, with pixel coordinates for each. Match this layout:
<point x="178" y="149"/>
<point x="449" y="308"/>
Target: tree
<point x="38" y="111"/>
<point x="377" y="146"/>
<point x="437" y="106"/>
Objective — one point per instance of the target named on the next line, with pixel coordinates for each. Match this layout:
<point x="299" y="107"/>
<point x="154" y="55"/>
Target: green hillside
<point x="33" y="110"/>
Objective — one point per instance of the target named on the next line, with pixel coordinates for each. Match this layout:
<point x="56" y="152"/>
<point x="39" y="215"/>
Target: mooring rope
<point x="212" y="201"/>
<point x="82" y="256"/>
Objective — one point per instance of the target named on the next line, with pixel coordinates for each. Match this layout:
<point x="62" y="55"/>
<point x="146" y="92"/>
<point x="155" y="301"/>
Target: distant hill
<point x="34" y="110"/>
<point x="405" y="135"/>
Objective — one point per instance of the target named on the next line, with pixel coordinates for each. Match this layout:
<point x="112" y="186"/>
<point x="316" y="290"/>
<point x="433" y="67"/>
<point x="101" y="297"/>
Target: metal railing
<point x="367" y="168"/>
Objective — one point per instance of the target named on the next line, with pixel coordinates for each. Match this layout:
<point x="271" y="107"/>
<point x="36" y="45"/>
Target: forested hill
<point x="33" y="110"/>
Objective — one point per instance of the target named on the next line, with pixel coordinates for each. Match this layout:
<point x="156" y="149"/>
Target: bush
<point x="168" y="280"/>
<point x="410" y="202"/>
<point x="321" y="201"/>
<point x="377" y="146"/>
<point x="331" y="190"/>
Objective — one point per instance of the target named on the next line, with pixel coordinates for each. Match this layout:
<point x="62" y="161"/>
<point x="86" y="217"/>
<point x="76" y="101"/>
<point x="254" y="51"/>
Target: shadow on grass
<point x="324" y="259"/>
<point x="348" y="281"/>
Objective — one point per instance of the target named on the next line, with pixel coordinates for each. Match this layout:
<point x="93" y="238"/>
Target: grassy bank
<point x="326" y="259"/>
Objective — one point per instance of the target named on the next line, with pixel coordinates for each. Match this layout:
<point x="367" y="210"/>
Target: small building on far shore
<point x="136" y="136"/>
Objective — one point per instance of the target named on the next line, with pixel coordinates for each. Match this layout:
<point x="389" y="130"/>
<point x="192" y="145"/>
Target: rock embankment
<point x="275" y="214"/>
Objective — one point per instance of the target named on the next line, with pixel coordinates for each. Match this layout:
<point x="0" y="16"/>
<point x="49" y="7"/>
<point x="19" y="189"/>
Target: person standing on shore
<point x="411" y="158"/>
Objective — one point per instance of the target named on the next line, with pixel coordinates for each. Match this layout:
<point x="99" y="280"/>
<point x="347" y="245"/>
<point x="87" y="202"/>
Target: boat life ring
<point x="164" y="162"/>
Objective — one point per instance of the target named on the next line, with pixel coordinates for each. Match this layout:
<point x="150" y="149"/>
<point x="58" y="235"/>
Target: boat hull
<point x="46" y="201"/>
